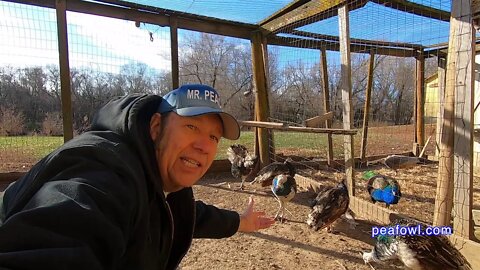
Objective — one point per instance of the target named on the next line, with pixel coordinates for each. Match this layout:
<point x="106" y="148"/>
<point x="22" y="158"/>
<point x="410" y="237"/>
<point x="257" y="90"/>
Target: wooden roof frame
<point x="296" y="14"/>
<point x="303" y="12"/>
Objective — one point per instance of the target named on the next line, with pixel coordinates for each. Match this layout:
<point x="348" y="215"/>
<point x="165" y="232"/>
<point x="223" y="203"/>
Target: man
<point x="119" y="196"/>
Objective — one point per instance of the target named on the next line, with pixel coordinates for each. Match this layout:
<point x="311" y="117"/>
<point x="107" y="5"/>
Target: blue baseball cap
<point x="198" y="99"/>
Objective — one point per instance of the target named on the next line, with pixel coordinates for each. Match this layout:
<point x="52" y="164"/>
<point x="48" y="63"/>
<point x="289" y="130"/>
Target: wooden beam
<point x="346" y="88"/>
<point x="261" y="96"/>
<point x="335" y="46"/>
<point x="326" y="102"/>
<point x="285" y="127"/>
<point x="357" y="41"/>
<point x="317" y="120"/>
<point x="441" y="101"/>
<point x="420" y="99"/>
<point x="366" y="109"/>
<point x="161" y="17"/>
<point x="301" y="13"/>
<point x="463" y="118"/>
<point x="65" y="85"/>
<point x="295" y="15"/>
<point x="414" y="8"/>
<point x="174" y="51"/>
<point x="286" y="9"/>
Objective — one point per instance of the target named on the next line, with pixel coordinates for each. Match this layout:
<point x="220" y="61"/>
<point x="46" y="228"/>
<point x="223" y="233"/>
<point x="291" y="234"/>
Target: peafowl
<point x="242" y="161"/>
<point x="329" y="205"/>
<point x="267" y="173"/>
<point x="395" y="162"/>
<point x="382" y="188"/>
<point x="284" y="188"/>
<point x="416" y="251"/>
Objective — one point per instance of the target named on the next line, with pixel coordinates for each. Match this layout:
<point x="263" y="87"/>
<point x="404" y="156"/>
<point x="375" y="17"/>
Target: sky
<point x="28" y="34"/>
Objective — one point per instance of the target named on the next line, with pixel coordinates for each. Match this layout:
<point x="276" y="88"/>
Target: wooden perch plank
<point x="260" y="124"/>
<point x="317" y="120"/>
<point x="285" y="127"/>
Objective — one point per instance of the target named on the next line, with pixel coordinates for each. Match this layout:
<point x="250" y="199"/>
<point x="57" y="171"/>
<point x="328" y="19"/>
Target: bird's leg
<point x="353" y="224"/>
<point x="285" y="209"/>
<point x="350" y="219"/>
<point x="241" y="184"/>
<point x="331" y="228"/>
<point x="279" y="214"/>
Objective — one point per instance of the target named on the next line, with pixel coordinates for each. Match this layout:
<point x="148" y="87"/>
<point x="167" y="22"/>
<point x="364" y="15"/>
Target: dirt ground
<point x="292" y="245"/>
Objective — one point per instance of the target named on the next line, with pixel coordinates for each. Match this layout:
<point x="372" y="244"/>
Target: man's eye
<point x="215" y="138"/>
<point x="192" y="127"/>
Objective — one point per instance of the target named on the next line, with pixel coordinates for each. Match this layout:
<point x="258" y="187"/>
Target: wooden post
<point x="366" y="110"/>
<point x="174" y="51"/>
<point x="444" y="192"/>
<point x="326" y="102"/>
<point x="420" y="98"/>
<point x="464" y="55"/>
<point x="65" y="85"/>
<point x="261" y="98"/>
<point x="271" y="133"/>
<point x="441" y="102"/>
<point x="456" y="153"/>
<point x="346" y="87"/>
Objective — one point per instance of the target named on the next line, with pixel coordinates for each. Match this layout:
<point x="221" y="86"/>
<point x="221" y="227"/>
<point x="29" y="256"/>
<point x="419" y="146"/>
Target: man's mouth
<point x="190" y="162"/>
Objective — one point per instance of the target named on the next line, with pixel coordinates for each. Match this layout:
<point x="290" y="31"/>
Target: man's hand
<point x="251" y="220"/>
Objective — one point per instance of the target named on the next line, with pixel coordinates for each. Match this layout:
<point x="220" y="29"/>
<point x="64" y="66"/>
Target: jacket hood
<point x="129" y="116"/>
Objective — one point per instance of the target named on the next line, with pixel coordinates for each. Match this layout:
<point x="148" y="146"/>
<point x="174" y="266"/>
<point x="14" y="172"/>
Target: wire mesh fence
<point x="395" y="69"/>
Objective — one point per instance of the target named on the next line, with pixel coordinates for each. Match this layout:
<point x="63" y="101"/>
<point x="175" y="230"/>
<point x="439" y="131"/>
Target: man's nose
<point x="204" y="144"/>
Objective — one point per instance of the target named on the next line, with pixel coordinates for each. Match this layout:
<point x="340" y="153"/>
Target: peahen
<point x="417" y="252"/>
<point x="267" y="173"/>
<point x="284" y="188"/>
<point x="395" y="162"/>
<point x="382" y="188"/>
<point x="242" y="161"/>
<point x="328" y="206"/>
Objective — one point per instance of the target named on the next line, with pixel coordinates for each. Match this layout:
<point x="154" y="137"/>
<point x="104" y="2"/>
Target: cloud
<point x="28" y="37"/>
<point x="120" y="40"/>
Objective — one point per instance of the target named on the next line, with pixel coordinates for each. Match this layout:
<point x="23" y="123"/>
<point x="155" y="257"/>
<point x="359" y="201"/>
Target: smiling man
<point x="119" y="196"/>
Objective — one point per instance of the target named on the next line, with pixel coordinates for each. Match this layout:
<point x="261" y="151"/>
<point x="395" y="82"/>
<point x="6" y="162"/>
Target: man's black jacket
<point x="97" y="202"/>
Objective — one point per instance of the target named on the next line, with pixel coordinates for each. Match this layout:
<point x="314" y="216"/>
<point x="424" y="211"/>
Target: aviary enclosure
<point x="331" y="84"/>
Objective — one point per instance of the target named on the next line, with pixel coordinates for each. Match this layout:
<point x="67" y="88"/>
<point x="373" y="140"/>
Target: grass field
<point x="18" y="153"/>
<point x="37" y="146"/>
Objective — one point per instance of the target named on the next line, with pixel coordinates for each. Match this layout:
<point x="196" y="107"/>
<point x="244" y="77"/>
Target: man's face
<point x="185" y="147"/>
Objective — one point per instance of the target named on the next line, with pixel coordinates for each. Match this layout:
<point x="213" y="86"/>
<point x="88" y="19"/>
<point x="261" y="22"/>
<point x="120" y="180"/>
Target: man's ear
<point x="155" y="123"/>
